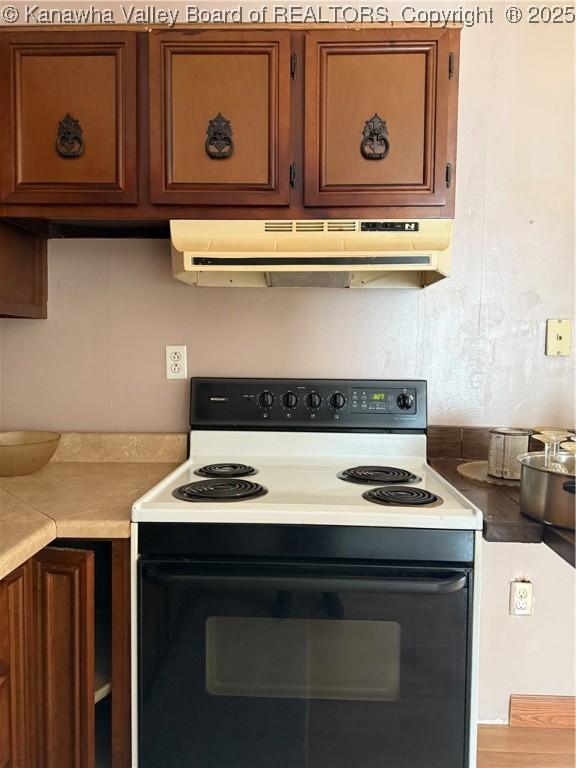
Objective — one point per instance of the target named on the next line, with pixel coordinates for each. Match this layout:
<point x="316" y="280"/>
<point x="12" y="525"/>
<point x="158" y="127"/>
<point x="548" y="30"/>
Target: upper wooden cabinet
<point x="69" y="131"/>
<point x="220" y="117"/>
<point x="228" y="123"/>
<point x="23" y="274"/>
<point x="378" y="116"/>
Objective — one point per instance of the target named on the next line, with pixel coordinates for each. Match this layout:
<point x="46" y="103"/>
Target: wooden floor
<point x="502" y="747"/>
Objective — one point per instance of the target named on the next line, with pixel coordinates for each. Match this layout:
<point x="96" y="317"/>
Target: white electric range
<point x="306" y="532"/>
<point x="301" y="474"/>
<point x="275" y="451"/>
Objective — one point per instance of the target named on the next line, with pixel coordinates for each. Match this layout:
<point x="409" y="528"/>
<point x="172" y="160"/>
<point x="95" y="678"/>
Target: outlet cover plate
<point x="176" y="363"/>
<point x="558" y="337"/>
<point x="520" y="598"/>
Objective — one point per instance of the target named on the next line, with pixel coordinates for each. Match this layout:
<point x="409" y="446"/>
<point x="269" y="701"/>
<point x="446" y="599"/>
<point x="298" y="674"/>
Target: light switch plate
<point x="558" y="337"/>
<point x="176" y="367"/>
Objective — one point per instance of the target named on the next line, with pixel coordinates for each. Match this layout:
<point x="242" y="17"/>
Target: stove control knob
<point x="337" y="400"/>
<point x="405" y="401"/>
<point x="290" y="400"/>
<point x="313" y="400"/>
<point x="266" y="400"/>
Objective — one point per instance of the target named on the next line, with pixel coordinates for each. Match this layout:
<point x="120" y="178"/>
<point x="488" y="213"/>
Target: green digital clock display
<point x="372" y="400"/>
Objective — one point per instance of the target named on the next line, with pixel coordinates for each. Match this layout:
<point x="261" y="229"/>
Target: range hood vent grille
<point x="341" y="226"/>
<point x="309" y="226"/>
<point x="278" y="226"/>
<point x="308" y="279"/>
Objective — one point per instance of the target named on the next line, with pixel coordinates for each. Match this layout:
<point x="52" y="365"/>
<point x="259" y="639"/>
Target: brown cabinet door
<point x="65" y="615"/>
<point x="23" y="274"/>
<point x="376" y="116"/>
<point x="69" y="135"/>
<point x="16" y="670"/>
<point x="219" y="117"/>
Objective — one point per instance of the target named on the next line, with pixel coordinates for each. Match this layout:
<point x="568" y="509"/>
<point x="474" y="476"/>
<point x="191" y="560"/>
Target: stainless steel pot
<point x="548" y="494"/>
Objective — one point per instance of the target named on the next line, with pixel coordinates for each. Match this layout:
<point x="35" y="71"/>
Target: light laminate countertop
<point x="78" y="495"/>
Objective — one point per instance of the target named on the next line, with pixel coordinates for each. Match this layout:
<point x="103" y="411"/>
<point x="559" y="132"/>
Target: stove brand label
<point x="218" y="399"/>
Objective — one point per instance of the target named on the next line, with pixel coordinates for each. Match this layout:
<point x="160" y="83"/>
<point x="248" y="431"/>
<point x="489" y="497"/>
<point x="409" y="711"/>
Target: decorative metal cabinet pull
<point x="219" y="143"/>
<point x="375" y="144"/>
<point x="70" y="138"/>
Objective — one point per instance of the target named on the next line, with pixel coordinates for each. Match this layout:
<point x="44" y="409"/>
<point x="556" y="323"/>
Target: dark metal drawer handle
<point x="219" y="144"/>
<point x="375" y="144"/>
<point x="311" y="583"/>
<point x="70" y="137"/>
<point x="570" y="486"/>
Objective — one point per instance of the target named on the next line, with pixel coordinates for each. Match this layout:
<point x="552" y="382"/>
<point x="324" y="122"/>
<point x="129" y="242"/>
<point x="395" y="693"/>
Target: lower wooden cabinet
<point x="64" y="581"/>
<point x="17" y="738"/>
<point x="47" y="657"/>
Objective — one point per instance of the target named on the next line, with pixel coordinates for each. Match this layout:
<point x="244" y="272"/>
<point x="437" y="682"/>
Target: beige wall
<point x="525" y="654"/>
<point x="97" y="363"/>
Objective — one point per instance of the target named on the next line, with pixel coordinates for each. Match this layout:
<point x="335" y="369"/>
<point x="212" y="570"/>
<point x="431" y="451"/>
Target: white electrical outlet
<point x="176" y="367"/>
<point x="520" y="598"/>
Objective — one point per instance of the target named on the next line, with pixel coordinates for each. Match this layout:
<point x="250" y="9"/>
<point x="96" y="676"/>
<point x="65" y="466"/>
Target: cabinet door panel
<point x="196" y="101"/>
<point x="16" y="670"/>
<point x="403" y="104"/>
<point x="245" y="79"/>
<point x="65" y="600"/>
<point x="72" y="134"/>
<point x="355" y="82"/>
<point x="23" y="271"/>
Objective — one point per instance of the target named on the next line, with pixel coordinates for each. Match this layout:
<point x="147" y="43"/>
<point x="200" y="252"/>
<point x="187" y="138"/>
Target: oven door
<point x="292" y="665"/>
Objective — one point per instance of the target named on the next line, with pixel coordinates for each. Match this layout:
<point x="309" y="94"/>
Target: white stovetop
<point x="300" y="472"/>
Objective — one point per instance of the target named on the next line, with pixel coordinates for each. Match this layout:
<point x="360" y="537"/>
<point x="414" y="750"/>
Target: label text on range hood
<point x="389" y="226"/>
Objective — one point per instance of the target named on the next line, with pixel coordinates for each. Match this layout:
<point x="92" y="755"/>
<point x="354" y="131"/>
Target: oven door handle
<point x="423" y="586"/>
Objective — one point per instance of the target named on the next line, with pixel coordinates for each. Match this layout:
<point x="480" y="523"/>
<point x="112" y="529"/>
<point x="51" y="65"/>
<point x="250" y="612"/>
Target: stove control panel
<point x="387" y="400"/>
<point x="301" y="404"/>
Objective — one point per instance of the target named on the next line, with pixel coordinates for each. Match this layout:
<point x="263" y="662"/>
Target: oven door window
<point x="256" y="665"/>
<point x="303" y="658"/>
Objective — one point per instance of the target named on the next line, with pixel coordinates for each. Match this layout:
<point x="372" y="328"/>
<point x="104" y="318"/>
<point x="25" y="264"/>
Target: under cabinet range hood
<point x="333" y="253"/>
